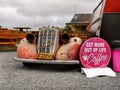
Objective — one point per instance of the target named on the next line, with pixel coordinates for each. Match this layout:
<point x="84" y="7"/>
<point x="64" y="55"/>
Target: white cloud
<point x="36" y="13"/>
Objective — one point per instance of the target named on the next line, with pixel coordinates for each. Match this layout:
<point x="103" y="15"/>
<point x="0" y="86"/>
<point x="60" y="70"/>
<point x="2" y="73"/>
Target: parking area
<point x="15" y="76"/>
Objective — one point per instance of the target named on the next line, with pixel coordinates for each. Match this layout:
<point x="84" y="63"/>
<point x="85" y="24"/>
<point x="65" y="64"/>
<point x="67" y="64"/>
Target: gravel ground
<point x="15" y="76"/>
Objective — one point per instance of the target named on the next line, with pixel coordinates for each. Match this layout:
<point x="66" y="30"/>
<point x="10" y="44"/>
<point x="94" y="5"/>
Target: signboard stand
<point x="95" y="54"/>
<point x="94" y="72"/>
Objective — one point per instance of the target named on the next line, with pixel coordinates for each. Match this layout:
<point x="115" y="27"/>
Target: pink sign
<point x="95" y="52"/>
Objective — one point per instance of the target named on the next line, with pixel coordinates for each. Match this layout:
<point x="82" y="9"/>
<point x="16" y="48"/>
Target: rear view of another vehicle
<point x="110" y="26"/>
<point x="95" y="25"/>
<point x="106" y="25"/>
<point x="105" y="22"/>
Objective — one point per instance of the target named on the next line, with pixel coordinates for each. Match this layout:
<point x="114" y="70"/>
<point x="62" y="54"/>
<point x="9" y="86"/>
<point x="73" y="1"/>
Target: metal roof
<point x="81" y="19"/>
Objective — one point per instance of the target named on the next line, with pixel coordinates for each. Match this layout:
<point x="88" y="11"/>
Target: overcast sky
<point x="38" y="13"/>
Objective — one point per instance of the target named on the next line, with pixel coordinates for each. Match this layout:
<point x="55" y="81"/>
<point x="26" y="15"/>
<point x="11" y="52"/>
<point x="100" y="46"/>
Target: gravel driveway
<point x="15" y="76"/>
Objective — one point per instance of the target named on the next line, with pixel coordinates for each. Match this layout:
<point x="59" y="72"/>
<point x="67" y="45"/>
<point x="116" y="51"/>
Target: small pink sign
<point x="94" y="53"/>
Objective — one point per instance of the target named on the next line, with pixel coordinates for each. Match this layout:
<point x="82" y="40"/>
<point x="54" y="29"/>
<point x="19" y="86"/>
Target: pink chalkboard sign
<point x="94" y="53"/>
